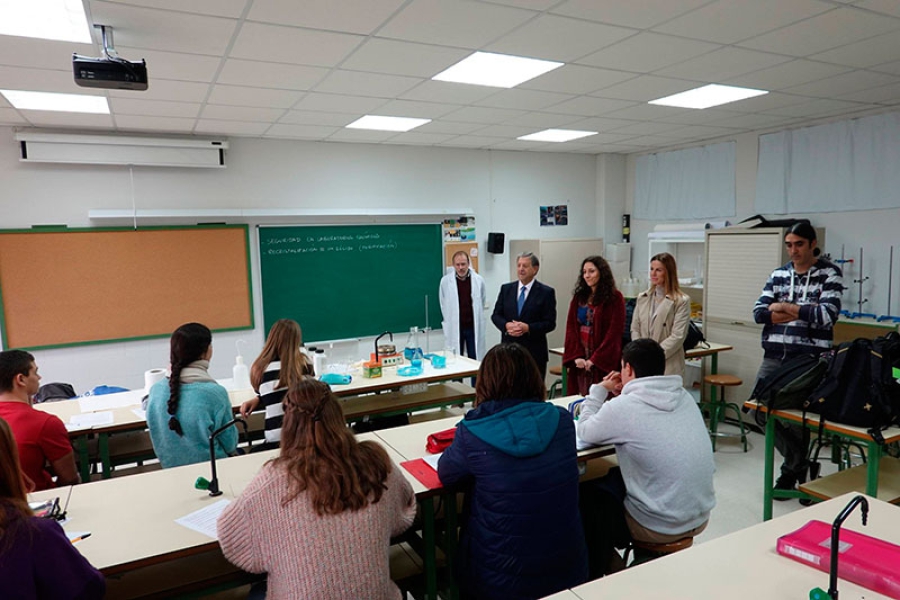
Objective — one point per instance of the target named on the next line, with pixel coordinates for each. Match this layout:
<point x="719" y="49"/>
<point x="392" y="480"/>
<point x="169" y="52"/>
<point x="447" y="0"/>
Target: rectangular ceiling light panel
<point x="496" y="70"/>
<point x="707" y="96"/>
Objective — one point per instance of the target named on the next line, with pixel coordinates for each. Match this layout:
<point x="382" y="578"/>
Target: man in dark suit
<point x="526" y="310"/>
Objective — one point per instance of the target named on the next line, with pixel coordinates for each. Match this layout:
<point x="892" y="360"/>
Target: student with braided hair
<point x="184" y="409"/>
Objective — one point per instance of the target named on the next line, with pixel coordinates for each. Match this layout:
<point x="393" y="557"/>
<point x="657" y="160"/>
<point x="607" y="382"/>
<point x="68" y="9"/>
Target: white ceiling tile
<point x="174" y="65"/>
<point x="42" y="80"/>
<point x="46" y="118"/>
<point x="701" y="131"/>
<point x="41" y="54"/>
<point x="842" y="84"/>
<point x="460" y="23"/>
<point x="338" y="103"/>
<point x="523" y="99"/>
<point x="639" y="14"/>
<point x="481" y="114"/>
<point x="419" y="110"/>
<point x="270" y="75"/>
<point x="645" y="88"/>
<point x="162" y="89"/>
<point x="443" y="91"/>
<point x="153" y="29"/>
<point x="730" y="21"/>
<point x="816" y="108"/>
<point x="609" y="138"/>
<point x="750" y="121"/>
<point x="697" y="117"/>
<point x="360" y="135"/>
<point x="721" y="64"/>
<point x="888" y="95"/>
<point x="652" y="141"/>
<point x="470" y="141"/>
<point x="786" y="74"/>
<point x="300" y="132"/>
<point x="234" y="95"/>
<point x="645" y="128"/>
<point x="403" y="58"/>
<point x="506" y="131"/>
<point x="218" y="8"/>
<point x="518" y="145"/>
<point x="888" y="7"/>
<point x="890" y="67"/>
<point x="559" y="38"/>
<point x="823" y="32"/>
<point x="308" y="117"/>
<point x="9" y="116"/>
<point x="153" y="108"/>
<point x="333" y="15"/>
<point x="589" y="106"/>
<point x="449" y="127"/>
<point x="867" y="53"/>
<point x="647" y="52"/>
<point x="423" y="139"/>
<point x="542" y="120"/>
<point x="148" y="123"/>
<point x="576" y="79"/>
<point x="273" y="43"/>
<point x="529" y="4"/>
<point x="645" y="112"/>
<point x="366" y="84"/>
<point x="215" y="127"/>
<point x="241" y="113"/>
<point x="767" y="102"/>
<point x="599" y="124"/>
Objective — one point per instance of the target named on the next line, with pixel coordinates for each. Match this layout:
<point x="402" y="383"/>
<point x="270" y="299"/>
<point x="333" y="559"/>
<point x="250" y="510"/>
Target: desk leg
<point x="83" y="458"/>
<point x="769" y="468"/>
<point x="451" y="540"/>
<point x="105" y="461"/>
<point x="429" y="540"/>
<point x="872" y="465"/>
<point x="713" y="369"/>
<point x="565" y="381"/>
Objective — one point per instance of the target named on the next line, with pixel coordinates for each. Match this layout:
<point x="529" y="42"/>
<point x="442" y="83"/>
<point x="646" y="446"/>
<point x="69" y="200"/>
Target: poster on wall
<point x="554" y="215"/>
<point x="461" y="229"/>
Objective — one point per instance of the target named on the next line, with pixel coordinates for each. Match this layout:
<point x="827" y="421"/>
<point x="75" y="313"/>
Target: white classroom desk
<point x="409" y="441"/>
<point x="134" y="539"/>
<point x="744" y="565"/>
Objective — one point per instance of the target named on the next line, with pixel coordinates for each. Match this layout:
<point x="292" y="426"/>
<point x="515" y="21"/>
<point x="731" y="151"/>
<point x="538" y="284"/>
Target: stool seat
<point x="666" y="548"/>
<point x="555" y="370"/>
<point x="722" y="379"/>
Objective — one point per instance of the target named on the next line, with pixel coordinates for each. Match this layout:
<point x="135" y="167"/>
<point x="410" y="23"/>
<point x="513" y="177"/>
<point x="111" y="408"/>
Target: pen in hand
<point x="81" y="537"/>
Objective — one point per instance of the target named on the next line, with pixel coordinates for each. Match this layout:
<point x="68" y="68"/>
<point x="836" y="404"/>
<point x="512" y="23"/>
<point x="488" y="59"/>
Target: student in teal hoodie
<point x="514" y="456"/>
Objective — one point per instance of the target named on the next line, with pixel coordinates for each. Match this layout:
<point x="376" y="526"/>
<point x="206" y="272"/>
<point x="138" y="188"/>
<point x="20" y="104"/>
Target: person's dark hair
<point x="530" y="256"/>
<point x="645" y="356"/>
<point x="282" y="344"/>
<point x="508" y="371"/>
<point x="805" y="230"/>
<point x="189" y="342"/>
<point x="14" y="486"/>
<point x="606" y="286"/>
<point x="12" y="363"/>
<point x="322" y="456"/>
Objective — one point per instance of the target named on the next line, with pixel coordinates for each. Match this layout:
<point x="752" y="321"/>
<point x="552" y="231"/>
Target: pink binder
<point x="864" y="560"/>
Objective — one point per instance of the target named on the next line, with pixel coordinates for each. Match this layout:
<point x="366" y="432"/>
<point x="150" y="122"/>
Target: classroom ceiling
<point x="303" y="69"/>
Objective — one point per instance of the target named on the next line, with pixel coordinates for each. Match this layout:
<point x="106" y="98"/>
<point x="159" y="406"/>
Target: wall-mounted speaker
<point x="495" y="243"/>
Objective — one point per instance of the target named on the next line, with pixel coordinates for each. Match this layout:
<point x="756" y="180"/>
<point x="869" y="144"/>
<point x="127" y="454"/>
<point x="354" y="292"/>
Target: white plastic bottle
<point x="241" y="374"/>
<point x="319" y="362"/>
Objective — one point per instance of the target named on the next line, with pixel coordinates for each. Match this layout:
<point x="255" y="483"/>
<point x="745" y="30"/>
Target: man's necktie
<point x="521" y="302"/>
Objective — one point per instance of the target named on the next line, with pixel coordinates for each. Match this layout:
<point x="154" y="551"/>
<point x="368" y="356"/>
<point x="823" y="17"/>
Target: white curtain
<point x="691" y="184"/>
<point x="848" y="165"/>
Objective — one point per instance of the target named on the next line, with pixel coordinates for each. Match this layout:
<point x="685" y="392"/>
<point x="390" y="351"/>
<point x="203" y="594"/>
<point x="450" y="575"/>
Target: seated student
<point x="280" y="366"/>
<point x="41" y="438"/>
<point x="663" y="488"/>
<point x="514" y="455"/>
<point x="319" y="517"/>
<point x="187" y="407"/>
<point x="37" y="560"/>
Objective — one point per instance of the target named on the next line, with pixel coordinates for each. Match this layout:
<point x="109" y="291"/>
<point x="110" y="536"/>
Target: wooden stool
<point x="717" y="407"/>
<point x="557" y="385"/>
<point x="647" y="551"/>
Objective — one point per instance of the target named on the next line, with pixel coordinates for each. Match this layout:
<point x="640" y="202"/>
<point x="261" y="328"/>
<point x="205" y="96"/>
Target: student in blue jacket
<point x="514" y="455"/>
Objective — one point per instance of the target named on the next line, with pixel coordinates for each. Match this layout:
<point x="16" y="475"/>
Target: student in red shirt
<point x="41" y="438"/>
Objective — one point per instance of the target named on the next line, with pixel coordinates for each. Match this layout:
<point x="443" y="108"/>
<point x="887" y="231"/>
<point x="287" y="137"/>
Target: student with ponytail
<point x="186" y="408"/>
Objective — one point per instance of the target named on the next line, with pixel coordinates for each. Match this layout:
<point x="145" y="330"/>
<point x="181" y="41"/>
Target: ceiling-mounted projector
<point x="109" y="71"/>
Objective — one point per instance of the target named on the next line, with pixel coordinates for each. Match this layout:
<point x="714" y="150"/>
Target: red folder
<point x="422" y="471"/>
<point x="866" y="561"/>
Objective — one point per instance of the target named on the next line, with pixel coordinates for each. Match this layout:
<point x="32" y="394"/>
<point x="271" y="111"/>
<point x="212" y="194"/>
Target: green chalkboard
<point x="347" y="281"/>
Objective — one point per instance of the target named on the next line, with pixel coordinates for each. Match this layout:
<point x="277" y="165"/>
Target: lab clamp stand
<point x="862" y="279"/>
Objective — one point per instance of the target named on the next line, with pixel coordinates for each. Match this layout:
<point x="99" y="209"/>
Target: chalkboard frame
<point x="426" y="283"/>
<point x="50" y="229"/>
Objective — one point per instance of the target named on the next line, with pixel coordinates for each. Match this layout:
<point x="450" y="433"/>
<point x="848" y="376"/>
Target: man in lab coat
<point x="462" y="305"/>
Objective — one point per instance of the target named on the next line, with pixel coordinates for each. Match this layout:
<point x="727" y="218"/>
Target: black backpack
<point x="790" y="385"/>
<point x="860" y="388"/>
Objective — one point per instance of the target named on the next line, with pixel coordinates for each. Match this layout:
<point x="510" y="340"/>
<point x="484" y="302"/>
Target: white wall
<point x="873" y="230"/>
<point x="503" y="189"/>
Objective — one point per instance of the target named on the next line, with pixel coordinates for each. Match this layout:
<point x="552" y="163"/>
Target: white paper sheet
<point x="140" y="413"/>
<point x="432" y="460"/>
<point x="93" y="419"/>
<point x="204" y="520"/>
<point x="110" y="401"/>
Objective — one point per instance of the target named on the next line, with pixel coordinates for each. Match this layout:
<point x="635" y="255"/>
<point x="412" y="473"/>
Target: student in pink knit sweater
<point x="318" y="519"/>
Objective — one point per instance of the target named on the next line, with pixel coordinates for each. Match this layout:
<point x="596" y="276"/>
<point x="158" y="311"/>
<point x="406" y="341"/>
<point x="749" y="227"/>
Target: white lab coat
<point x="450" y="310"/>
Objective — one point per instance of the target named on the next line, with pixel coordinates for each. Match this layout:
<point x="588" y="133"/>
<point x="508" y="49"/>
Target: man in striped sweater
<point x="798" y="308"/>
